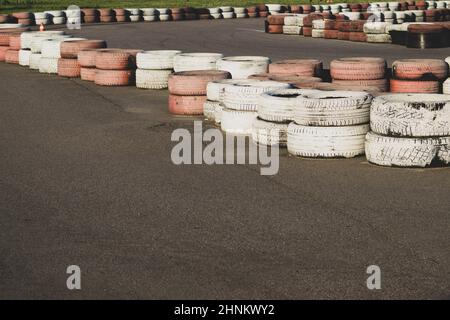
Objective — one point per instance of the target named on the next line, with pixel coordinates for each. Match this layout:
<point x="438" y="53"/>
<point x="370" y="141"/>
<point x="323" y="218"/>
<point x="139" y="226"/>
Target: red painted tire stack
<point x="11" y="55"/>
<point x="187" y="90"/>
<point x="4" y="44"/>
<point x="356" y="29"/>
<point x="274" y="23"/>
<point x="115" y="67"/>
<point x="331" y="31"/>
<point x="120" y="15"/>
<point x="418" y="75"/>
<point x="361" y="72"/>
<point x="262" y="10"/>
<point x="68" y="65"/>
<point x="252" y="12"/>
<point x="86" y="60"/>
<point x="343" y="29"/>
<point x="89" y="15"/>
<point x="106" y="15"/>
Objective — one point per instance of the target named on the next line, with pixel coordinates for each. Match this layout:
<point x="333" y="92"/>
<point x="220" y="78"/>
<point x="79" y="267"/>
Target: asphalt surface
<point x="86" y="179"/>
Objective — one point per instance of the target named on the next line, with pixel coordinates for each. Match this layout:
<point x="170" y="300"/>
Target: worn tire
<point x="337" y="108"/>
<point x="88" y="74"/>
<point x="156" y="59"/>
<point x="215" y="89"/>
<point x="114" y="77"/>
<point x="269" y="133"/>
<point x="358" y="68"/>
<point x="326" y="142"/>
<point x="407" y="152"/>
<point x="303" y="67"/>
<point x="241" y="67"/>
<point x="152" y="79"/>
<point x="417" y="69"/>
<point x="411" y="115"/>
<point x="196" y="61"/>
<point x="68" y="68"/>
<point x="414" y="86"/>
<point x="209" y="109"/>
<point x="237" y="121"/>
<point x="186" y="105"/>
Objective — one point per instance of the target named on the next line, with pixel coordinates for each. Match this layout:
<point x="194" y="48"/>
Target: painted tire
<point x="152" y="79"/>
<point x="70" y="49"/>
<point x="86" y="57"/>
<point x="24" y="57"/>
<point x="68" y="68"/>
<point x="269" y="133"/>
<point x="34" y="61"/>
<point x="114" y="77"/>
<point x="156" y="59"/>
<point x="241" y="67"/>
<point x="12" y="56"/>
<point x="3" y="50"/>
<point x="88" y="74"/>
<point x="416" y="69"/>
<point x="381" y="84"/>
<point x="14" y="42"/>
<point x="303" y="67"/>
<point x="358" y="68"/>
<point x="186" y="105"/>
<point x="196" y="61"/>
<point x="237" y="121"/>
<point x="194" y="83"/>
<point x="116" y="59"/>
<point x="412" y="86"/>
<point x="48" y="65"/>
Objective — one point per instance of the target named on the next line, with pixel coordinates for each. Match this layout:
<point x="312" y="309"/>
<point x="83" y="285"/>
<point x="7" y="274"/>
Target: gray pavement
<point x="86" y="178"/>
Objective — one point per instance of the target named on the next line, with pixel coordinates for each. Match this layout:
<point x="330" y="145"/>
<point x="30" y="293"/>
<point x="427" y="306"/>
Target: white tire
<point x="37" y="42"/>
<point x="326" y="142"/>
<point x="294" y="20"/>
<point x="228" y="15"/>
<point x="336" y="108"/>
<point x="225" y="9"/>
<point x="407" y="152"/>
<point x="245" y="96"/>
<point x="269" y="133"/>
<point x="196" y="61"/>
<point x="40" y="15"/>
<point x="162" y="10"/>
<point x="156" y="59"/>
<point x="42" y="21"/>
<point x="135" y="18"/>
<point x="293" y="30"/>
<point x="388" y="15"/>
<point x="352" y="16"/>
<point x="448" y="61"/>
<point x="55" y="13"/>
<point x="214" y="10"/>
<point x="152" y="79"/>
<point x="50" y="48"/>
<point x="411" y="115"/>
<point x="379" y="38"/>
<point x="375" y="27"/>
<point x="241" y="15"/>
<point x="215" y="89"/>
<point x="318" y="24"/>
<point x="150" y="18"/>
<point x="446" y="86"/>
<point x="278" y="105"/>
<point x="318" y="33"/>
<point x="274" y="7"/>
<point x="27" y="37"/>
<point x="241" y="67"/>
<point x="24" y="57"/>
<point x="133" y="11"/>
<point x="164" y="17"/>
<point x="218" y="113"/>
<point x="239" y="10"/>
<point x="209" y="109"/>
<point x="59" y="20"/>
<point x="48" y="65"/>
<point x="148" y="11"/>
<point x="11" y="25"/>
<point x="35" y="59"/>
<point x="237" y="122"/>
<point x="216" y="15"/>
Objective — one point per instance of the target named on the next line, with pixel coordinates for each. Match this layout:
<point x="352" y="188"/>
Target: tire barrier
<point x="196" y="61"/>
<point x="115" y="67"/>
<point x="154" y="68"/>
<point x="301" y="67"/>
<point x="241" y="67"/>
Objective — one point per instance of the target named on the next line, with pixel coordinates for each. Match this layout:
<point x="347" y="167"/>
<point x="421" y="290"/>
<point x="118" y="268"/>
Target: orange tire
<point x="276" y="19"/>
<point x="12" y="56"/>
<point x="186" y="105"/>
<point x="68" y="68"/>
<point x="70" y="49"/>
<point x="116" y="59"/>
<point x="88" y="74"/>
<point x="3" y="50"/>
<point x="106" y="19"/>
<point x="307" y="31"/>
<point x="358" y="68"/>
<point x="86" y="58"/>
<point x="114" y="77"/>
<point x="274" y="28"/>
<point x="411" y="86"/>
<point x="416" y="69"/>
<point x="381" y="84"/>
<point x="14" y="42"/>
<point x="193" y="83"/>
<point x="90" y="19"/>
<point x="303" y="67"/>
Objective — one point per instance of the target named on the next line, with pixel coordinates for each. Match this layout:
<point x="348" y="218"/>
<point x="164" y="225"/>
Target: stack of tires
<point x="252" y="12"/>
<point x="241" y="67"/>
<point x="274" y="24"/>
<point x="134" y="14"/>
<point x="12" y="54"/>
<point x="213" y="106"/>
<point x="275" y="111"/>
<point x="36" y="47"/>
<point x="359" y="73"/>
<point x="262" y="10"/>
<point x="240" y="103"/>
<point x="163" y="14"/>
<point x="150" y="14"/>
<point x="41" y="18"/>
<point x="89" y="15"/>
<point x="293" y="24"/>
<point x="409" y="130"/>
<point x="51" y="52"/>
<point x="120" y="15"/>
<point x="106" y="15"/>
<point x="68" y="65"/>
<point x="115" y="67"/>
<point x="418" y="75"/>
<point x="196" y="61"/>
<point x="240" y="12"/>
<point x="376" y="32"/>
<point x="177" y="14"/>
<point x="86" y="60"/>
<point x="154" y="68"/>
<point x="329" y="124"/>
<point x="188" y="89"/>
<point x="56" y="17"/>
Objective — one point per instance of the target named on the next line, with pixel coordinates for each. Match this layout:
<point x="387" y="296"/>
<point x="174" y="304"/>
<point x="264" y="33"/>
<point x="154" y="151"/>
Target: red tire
<point x="193" y="83"/>
<point x="343" y="35"/>
<point x="88" y="74"/>
<point x="186" y="105"/>
<point x="3" y="50"/>
<point x="293" y="78"/>
<point x="114" y="77"/>
<point x="276" y="19"/>
<point x="106" y="19"/>
<point x="416" y="69"/>
<point x="70" y="49"/>
<point x="411" y="86"/>
<point x="86" y="57"/>
<point x="331" y="34"/>
<point x="116" y="59"/>
<point x="333" y="87"/>
<point x="90" y="19"/>
<point x="4" y="38"/>
<point x="119" y="12"/>
<point x="12" y="56"/>
<point x="4" y="18"/>
<point x="274" y="28"/>
<point x="358" y="68"/>
<point x="21" y="15"/>
<point x="381" y="84"/>
<point x="357" y="36"/>
<point x="177" y="16"/>
<point x="263" y="14"/>
<point x="304" y="67"/>
<point x="68" y="68"/>
<point x="105" y="12"/>
<point x="89" y="12"/>
<point x="14" y="42"/>
<point x="357" y="26"/>
<point x="307" y="31"/>
<point x="425" y="28"/>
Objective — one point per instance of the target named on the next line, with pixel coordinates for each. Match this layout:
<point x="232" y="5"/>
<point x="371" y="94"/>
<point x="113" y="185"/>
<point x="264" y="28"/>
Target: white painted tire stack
<point x="56" y="16"/>
<point x="329" y="124"/>
<point x="24" y="57"/>
<point x="41" y="18"/>
<point x="196" y="61"/>
<point x="275" y="110"/>
<point x="227" y="12"/>
<point x="154" y="68"/>
<point x="240" y="103"/>
<point x="134" y="14"/>
<point x="241" y="67"/>
<point x="410" y="130"/>
<point x="149" y="14"/>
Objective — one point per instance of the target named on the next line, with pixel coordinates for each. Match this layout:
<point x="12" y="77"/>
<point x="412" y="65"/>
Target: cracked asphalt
<point x="86" y="179"/>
